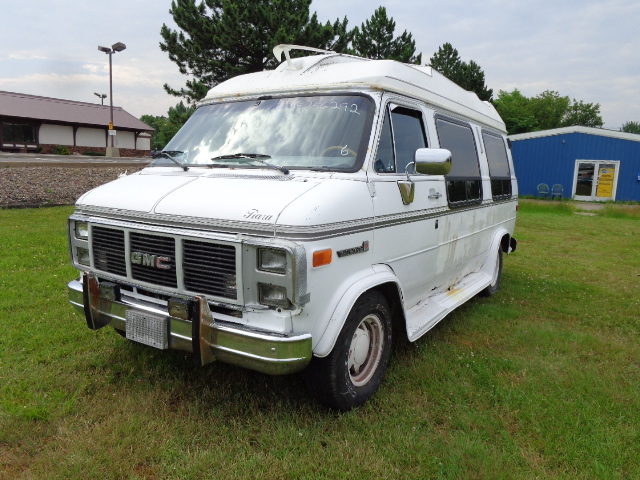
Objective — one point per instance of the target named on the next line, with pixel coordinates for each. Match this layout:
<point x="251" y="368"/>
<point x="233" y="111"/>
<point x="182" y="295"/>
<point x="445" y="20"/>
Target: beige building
<point x="29" y="123"/>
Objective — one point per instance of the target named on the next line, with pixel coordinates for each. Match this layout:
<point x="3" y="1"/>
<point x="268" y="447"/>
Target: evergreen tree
<point x="469" y="76"/>
<point x="219" y="39"/>
<point x="374" y="39"/>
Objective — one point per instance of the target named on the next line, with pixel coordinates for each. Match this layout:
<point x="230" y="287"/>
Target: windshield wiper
<point x="253" y="157"/>
<point x="170" y="155"/>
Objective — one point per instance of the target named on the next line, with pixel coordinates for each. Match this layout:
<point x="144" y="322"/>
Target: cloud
<point x="25" y="55"/>
<point x="584" y="49"/>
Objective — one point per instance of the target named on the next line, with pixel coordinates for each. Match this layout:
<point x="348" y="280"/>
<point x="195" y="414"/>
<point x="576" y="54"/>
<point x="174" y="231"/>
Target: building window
<point x="18" y="132"/>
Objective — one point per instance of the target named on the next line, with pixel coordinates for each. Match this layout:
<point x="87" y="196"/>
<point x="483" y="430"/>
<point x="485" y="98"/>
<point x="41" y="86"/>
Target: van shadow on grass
<point x="187" y="385"/>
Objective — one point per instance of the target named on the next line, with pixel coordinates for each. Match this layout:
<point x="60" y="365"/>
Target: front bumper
<point x="207" y="337"/>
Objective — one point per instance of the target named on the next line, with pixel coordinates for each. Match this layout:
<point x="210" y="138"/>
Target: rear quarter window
<point x="498" y="160"/>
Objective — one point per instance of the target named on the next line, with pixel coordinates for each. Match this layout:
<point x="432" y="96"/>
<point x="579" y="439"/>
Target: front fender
<point x="381" y="274"/>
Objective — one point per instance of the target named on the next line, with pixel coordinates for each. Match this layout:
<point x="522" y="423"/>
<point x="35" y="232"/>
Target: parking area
<point x="18" y="160"/>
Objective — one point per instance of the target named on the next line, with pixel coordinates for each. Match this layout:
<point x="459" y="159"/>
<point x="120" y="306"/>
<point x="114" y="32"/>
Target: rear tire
<point x="352" y="372"/>
<point x="497" y="276"/>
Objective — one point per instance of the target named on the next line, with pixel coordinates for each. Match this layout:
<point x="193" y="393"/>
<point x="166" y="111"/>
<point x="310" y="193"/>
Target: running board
<point x="425" y="315"/>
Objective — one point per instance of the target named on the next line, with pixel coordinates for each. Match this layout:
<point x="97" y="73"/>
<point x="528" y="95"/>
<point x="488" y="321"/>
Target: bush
<point x="91" y="153"/>
<point x="61" y="150"/>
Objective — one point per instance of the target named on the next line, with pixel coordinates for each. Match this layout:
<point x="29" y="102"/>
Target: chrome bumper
<point x="207" y="339"/>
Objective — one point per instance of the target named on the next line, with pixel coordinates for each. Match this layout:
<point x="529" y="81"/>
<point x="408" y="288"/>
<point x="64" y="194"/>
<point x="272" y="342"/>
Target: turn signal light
<point x="322" y="257"/>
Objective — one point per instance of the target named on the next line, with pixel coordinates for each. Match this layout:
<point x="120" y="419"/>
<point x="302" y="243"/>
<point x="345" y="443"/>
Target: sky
<point x="583" y="49"/>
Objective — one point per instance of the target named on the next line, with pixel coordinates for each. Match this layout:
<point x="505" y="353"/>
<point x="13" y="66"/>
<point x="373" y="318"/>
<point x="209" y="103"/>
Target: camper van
<point x="303" y="219"/>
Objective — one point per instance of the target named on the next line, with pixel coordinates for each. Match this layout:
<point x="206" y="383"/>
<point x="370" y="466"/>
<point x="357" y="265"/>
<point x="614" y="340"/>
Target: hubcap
<point x="365" y="350"/>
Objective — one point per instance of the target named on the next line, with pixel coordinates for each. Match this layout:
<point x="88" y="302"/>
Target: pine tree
<point x="374" y="39"/>
<point x="469" y="76"/>
<point x="219" y="39"/>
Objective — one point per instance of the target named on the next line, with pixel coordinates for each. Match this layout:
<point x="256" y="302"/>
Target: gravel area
<point x="46" y="186"/>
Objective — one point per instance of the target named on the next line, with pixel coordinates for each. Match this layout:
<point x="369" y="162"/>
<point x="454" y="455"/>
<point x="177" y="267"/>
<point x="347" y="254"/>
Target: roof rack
<point x="286" y="49"/>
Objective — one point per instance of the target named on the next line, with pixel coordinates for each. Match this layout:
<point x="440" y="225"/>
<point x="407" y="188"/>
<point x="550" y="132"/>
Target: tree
<point x="374" y="39"/>
<point x="157" y="123"/>
<point x="469" y="76"/>
<point x="549" y="109"/>
<point x="631" y="127"/>
<point x="584" y="114"/>
<point x="545" y="111"/>
<point x="166" y="127"/>
<point x="219" y="39"/>
<point x="514" y="109"/>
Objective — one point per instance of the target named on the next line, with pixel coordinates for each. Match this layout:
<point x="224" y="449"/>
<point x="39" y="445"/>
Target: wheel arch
<point x="508" y="244"/>
<point x="385" y="282"/>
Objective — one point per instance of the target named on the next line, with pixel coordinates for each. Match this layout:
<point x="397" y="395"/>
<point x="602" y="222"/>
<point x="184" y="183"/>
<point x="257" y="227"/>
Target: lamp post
<point x="116" y="47"/>
<point x="101" y="96"/>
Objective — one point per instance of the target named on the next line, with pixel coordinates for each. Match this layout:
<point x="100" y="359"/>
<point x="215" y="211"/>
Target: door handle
<point x="434" y="194"/>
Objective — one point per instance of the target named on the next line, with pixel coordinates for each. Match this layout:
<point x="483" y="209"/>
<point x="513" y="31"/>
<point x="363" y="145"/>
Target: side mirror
<point x="432" y="161"/>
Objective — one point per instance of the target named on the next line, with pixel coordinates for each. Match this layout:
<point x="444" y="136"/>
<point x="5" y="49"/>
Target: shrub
<point x="62" y="150"/>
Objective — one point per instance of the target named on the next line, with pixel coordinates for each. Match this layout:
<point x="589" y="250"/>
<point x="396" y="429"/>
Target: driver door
<point x="408" y="230"/>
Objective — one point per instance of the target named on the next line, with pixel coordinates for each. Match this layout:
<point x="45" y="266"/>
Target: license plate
<point x="148" y="329"/>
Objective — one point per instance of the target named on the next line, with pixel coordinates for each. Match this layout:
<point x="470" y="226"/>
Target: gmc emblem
<point x="153" y="261"/>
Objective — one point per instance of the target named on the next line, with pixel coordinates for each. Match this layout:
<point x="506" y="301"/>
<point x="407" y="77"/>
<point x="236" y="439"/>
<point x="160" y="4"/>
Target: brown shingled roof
<point x="68" y="111"/>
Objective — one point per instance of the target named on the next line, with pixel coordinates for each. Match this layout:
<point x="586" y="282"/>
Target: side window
<point x="498" y="165"/>
<point x="464" y="184"/>
<point x="385" y="159"/>
<point x="402" y="134"/>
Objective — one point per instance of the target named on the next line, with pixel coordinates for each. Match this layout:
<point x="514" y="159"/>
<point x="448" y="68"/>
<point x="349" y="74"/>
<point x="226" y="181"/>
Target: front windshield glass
<point x="312" y="132"/>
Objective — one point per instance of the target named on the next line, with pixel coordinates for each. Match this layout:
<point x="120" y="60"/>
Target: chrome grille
<point x="109" y="251"/>
<point x="210" y="268"/>
<point x="207" y="268"/>
<point x="152" y="248"/>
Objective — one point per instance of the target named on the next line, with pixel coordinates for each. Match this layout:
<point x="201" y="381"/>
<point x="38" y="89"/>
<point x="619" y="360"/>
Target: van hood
<point x="227" y="197"/>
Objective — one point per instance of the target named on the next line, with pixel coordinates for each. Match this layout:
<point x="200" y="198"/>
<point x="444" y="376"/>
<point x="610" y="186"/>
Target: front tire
<point x="352" y="372"/>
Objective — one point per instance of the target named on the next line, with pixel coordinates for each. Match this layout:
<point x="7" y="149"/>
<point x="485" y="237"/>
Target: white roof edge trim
<point x="601" y="132"/>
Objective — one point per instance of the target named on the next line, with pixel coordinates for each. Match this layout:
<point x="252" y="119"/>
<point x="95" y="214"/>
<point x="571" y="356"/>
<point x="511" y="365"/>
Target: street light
<point x="116" y="47"/>
<point x="101" y="96"/>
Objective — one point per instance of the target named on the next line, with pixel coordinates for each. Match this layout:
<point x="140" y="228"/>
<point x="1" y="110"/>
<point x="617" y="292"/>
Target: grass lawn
<point x="540" y="381"/>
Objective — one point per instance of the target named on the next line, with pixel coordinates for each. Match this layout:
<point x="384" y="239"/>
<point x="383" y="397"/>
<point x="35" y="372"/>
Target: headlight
<point x="273" y="261"/>
<point x="83" y="256"/>
<point x="273" y="295"/>
<point x="82" y="230"/>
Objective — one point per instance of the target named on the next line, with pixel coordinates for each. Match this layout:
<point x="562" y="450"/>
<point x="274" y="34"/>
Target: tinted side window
<point x="402" y="134"/>
<point x="498" y="165"/>
<point x="464" y="184"/>
<point x="385" y="158"/>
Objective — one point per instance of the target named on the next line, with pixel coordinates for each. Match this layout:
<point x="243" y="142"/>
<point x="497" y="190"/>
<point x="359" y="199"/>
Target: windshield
<point x="326" y="132"/>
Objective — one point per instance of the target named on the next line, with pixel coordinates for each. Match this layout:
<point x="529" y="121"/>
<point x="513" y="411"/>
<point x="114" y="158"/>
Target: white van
<point x="301" y="218"/>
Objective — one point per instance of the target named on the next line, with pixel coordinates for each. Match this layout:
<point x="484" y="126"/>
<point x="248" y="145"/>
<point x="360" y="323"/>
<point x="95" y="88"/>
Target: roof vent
<point x="286" y="49"/>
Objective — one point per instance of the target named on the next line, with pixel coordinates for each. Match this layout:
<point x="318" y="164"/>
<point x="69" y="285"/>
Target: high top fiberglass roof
<point x="331" y="71"/>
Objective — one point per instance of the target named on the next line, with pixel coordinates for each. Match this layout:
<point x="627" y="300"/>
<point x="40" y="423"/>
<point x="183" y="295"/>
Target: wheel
<point x="497" y="275"/>
<point x="352" y="372"/>
<point x="341" y="149"/>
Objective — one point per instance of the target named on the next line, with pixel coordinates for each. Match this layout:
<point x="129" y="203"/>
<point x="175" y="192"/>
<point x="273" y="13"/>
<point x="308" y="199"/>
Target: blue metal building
<point x="591" y="164"/>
